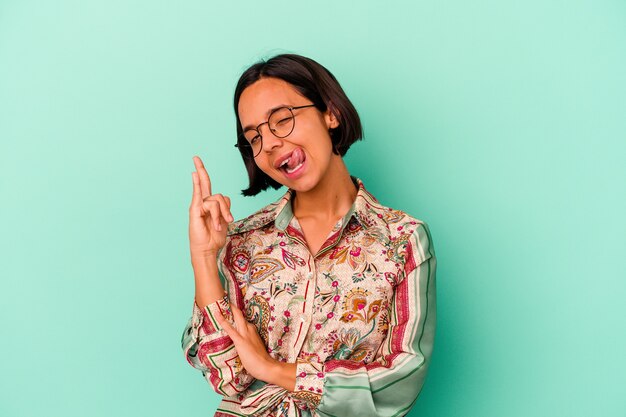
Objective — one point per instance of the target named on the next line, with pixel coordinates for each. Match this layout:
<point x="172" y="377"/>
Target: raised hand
<point x="209" y="215"/>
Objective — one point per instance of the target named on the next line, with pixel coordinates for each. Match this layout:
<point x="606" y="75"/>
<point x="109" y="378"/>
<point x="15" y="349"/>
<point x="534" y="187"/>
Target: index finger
<point x="228" y="328"/>
<point x="205" y="181"/>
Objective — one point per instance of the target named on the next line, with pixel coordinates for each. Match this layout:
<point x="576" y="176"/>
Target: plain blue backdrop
<point x="500" y="123"/>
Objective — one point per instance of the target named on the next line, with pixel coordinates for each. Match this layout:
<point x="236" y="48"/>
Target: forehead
<point x="257" y="100"/>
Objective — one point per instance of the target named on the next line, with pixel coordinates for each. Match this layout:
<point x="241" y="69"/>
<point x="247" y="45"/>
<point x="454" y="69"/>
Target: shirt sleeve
<point x="390" y="384"/>
<point x="208" y="348"/>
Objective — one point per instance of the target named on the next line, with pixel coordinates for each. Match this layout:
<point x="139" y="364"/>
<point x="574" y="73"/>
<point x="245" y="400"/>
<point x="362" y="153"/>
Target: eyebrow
<point x="266" y="115"/>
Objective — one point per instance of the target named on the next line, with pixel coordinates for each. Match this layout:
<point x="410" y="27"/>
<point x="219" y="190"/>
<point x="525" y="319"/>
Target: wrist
<point x="281" y="373"/>
<point x="202" y="258"/>
<point x="204" y="249"/>
<point x="271" y="368"/>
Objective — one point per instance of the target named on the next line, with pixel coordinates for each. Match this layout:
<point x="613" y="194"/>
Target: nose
<point x="270" y="141"/>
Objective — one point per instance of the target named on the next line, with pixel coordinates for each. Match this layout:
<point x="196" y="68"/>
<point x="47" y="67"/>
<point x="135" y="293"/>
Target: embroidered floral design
<point x="397" y="248"/>
<point x="258" y="313"/>
<point x="392" y="216"/>
<point x="334" y="305"/>
<point x="351" y="254"/>
<point x="369" y="272"/>
<point x="292" y="260"/>
<point x="355" y="304"/>
<point x="309" y="357"/>
<point x="240" y="261"/>
<point x="276" y="288"/>
<point x="262" y="268"/>
<point x="346" y="344"/>
<point x="255" y="220"/>
<point x="310" y="398"/>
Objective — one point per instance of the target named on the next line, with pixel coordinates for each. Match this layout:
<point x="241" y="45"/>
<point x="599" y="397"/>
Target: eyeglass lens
<point x="280" y="122"/>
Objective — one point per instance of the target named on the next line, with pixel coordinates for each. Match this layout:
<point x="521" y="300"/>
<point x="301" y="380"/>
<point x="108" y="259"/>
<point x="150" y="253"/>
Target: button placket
<point x="306" y="313"/>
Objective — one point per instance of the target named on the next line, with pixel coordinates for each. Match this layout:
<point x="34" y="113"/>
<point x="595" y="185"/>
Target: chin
<point x="303" y="184"/>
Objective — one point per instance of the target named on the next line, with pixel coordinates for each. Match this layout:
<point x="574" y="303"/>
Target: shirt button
<point x="309" y="275"/>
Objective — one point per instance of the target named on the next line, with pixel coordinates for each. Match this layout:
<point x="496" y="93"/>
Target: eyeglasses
<point x="281" y="122"/>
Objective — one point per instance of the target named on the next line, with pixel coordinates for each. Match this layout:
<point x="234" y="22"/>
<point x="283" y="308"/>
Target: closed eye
<point x="284" y="121"/>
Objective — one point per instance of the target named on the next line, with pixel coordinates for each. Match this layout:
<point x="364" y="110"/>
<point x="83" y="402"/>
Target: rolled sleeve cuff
<point x="206" y="318"/>
<point x="309" y="384"/>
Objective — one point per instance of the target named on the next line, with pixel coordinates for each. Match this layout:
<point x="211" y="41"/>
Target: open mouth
<point x="294" y="162"/>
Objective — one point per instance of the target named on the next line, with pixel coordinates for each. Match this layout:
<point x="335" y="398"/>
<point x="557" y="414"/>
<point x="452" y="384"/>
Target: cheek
<point x="322" y="147"/>
<point x="315" y="136"/>
<point x="263" y="164"/>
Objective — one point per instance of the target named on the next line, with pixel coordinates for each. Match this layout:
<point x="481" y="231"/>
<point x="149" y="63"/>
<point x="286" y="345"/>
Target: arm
<point x="205" y="344"/>
<point x="208" y="348"/>
<point x="390" y="384"/>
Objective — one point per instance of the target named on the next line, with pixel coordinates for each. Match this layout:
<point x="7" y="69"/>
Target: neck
<point x="330" y="199"/>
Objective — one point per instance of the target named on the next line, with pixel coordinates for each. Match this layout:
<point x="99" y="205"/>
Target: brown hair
<point x="314" y="82"/>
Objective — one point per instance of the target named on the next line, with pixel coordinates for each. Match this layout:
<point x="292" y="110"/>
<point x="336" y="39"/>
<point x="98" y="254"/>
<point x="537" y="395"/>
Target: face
<point x="308" y="147"/>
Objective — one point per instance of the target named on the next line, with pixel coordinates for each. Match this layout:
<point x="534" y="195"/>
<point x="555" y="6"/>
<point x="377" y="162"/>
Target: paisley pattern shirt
<point x="357" y="317"/>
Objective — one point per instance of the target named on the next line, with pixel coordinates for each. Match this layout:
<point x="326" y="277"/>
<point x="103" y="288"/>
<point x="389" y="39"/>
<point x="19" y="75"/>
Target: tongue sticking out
<point x="297" y="156"/>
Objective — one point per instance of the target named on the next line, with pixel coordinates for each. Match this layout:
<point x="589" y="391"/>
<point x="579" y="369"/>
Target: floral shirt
<point x="358" y="317"/>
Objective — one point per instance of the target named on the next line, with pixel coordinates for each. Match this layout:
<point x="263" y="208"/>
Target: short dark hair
<point x="314" y="82"/>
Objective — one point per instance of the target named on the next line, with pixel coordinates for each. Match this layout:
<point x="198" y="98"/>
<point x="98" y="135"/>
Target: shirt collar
<point x="281" y="213"/>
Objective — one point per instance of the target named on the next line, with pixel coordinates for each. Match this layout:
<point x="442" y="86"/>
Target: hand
<point x="250" y="347"/>
<point x="209" y="215"/>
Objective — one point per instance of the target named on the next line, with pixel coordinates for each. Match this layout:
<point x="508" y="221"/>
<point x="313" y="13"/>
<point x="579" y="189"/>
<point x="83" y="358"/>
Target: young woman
<point x="323" y="302"/>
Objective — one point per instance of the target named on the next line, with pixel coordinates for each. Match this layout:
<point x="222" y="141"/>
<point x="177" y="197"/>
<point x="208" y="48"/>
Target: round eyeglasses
<point x="280" y="121"/>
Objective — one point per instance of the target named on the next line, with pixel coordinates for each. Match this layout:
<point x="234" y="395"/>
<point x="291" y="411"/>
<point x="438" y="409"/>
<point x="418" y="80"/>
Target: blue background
<point x="500" y="123"/>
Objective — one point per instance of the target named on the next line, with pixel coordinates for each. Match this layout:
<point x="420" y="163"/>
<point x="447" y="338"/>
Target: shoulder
<point x="259" y="218"/>
<point x="402" y="232"/>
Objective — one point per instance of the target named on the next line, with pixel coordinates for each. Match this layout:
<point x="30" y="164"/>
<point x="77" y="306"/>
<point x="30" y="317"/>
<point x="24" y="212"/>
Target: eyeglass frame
<point x="267" y="122"/>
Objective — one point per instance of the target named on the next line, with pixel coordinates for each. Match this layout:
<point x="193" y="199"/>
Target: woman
<point x="323" y="302"/>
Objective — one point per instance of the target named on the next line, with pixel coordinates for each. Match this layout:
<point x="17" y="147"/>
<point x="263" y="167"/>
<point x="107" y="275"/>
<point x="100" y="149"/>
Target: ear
<point x="331" y="116"/>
